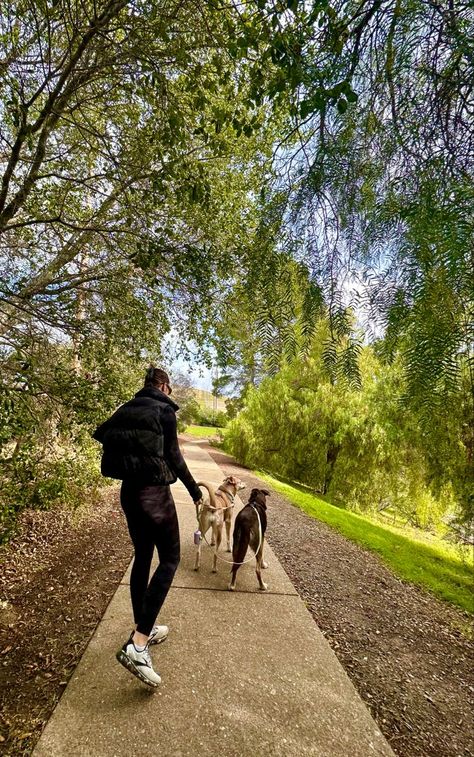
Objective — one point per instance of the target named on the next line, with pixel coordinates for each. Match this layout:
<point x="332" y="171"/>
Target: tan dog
<point x="215" y="512"/>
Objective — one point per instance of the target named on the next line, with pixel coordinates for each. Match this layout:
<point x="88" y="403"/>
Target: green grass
<point x="202" y="431"/>
<point x="434" y="565"/>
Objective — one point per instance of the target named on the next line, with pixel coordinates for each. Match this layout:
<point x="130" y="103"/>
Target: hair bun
<point x="156" y="376"/>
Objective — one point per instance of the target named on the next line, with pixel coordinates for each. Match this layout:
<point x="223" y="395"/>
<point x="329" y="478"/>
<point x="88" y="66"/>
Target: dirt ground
<point x="407" y="654"/>
<point x="57" y="577"/>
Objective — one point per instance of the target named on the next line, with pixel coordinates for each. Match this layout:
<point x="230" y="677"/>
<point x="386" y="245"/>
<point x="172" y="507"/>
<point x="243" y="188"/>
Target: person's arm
<point x="173" y="454"/>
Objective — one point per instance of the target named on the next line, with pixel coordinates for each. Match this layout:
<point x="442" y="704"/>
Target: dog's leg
<point x="233" y="574"/>
<point x="264" y="564"/>
<point x="238" y="555"/>
<point x="204" y="525"/>
<point x="259" y="558"/>
<point x="228" y="524"/>
<point x="239" y="550"/>
<point x="197" y="561"/>
<point x="206" y="522"/>
<point x="233" y="571"/>
<point x="212" y="522"/>
<point x="218" y="539"/>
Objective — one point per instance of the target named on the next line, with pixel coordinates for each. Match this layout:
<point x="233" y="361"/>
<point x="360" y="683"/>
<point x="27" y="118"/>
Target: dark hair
<point x="156" y="376"/>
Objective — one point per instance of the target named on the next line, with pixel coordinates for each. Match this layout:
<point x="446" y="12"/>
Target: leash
<point x="222" y="559"/>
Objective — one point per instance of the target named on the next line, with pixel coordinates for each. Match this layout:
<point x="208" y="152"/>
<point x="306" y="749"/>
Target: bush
<point x="207" y="417"/>
<point x="189" y="412"/>
<point x="67" y="474"/>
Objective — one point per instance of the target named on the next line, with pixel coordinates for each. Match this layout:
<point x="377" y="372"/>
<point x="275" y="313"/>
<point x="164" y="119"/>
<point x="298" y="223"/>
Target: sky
<point x="201" y="376"/>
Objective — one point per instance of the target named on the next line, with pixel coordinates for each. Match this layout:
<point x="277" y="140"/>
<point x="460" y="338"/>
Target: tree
<point x="396" y="184"/>
<point x="123" y="192"/>
<point x="375" y="195"/>
<point x="358" y="446"/>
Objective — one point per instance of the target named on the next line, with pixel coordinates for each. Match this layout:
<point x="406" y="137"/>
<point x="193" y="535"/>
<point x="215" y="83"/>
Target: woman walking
<point x="140" y="447"/>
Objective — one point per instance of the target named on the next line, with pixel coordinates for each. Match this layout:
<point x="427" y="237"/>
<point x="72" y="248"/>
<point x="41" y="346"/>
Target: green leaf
<point x="342" y="105"/>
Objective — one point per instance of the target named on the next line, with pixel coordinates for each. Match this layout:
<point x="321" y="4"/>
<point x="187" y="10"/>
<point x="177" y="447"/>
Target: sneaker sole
<point x="125" y="660"/>
<point x="158" y="641"/>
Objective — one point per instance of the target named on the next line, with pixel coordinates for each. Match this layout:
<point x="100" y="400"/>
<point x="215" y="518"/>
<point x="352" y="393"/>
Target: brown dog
<point x="215" y="512"/>
<point x="249" y="530"/>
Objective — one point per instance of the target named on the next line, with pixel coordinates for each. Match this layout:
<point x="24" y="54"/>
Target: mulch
<point x="57" y="575"/>
<point x="407" y="654"/>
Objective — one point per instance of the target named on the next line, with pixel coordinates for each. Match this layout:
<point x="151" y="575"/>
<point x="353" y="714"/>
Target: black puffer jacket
<point x="140" y="443"/>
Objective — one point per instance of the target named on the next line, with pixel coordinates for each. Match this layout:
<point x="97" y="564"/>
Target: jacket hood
<point x="155" y="394"/>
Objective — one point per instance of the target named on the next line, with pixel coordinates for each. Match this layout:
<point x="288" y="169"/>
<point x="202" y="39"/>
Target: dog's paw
<point x="214" y="570"/>
<point x="264" y="564"/>
<point x="228" y="549"/>
<point x="231" y="588"/>
<point x="264" y="587"/>
<point x="213" y="543"/>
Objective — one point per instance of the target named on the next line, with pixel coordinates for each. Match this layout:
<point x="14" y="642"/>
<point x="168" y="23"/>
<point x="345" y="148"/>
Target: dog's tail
<point x="212" y="496"/>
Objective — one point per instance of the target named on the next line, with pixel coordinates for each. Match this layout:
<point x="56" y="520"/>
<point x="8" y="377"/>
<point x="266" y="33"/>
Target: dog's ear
<point x="266" y="492"/>
<point x="232" y="480"/>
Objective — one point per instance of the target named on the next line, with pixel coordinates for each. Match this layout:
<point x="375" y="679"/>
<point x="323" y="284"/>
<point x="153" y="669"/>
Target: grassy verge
<point x="202" y="431"/>
<point x="436" y="566"/>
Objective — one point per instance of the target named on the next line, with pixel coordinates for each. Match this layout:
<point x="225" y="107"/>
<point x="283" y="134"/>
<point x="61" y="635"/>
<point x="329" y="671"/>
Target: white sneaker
<point x="138" y="663"/>
<point x="158" y="634"/>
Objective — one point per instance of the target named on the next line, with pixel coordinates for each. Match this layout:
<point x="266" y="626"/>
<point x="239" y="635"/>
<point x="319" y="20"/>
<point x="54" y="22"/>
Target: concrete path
<point x="243" y="675"/>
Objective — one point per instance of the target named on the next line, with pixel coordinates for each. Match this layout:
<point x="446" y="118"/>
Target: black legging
<point x="152" y="522"/>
